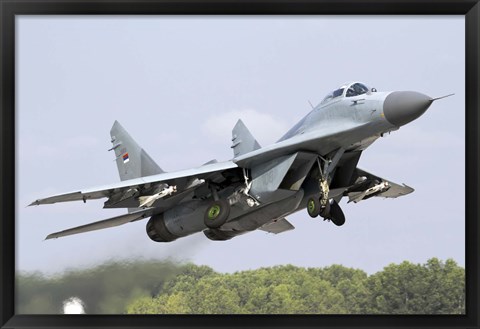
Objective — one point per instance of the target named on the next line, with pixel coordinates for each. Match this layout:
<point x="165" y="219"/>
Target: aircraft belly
<point x="260" y="216"/>
<point x="186" y="219"/>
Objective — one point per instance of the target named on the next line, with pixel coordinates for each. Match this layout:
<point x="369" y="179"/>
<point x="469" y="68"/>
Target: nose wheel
<point x="335" y="214"/>
<point x="331" y="211"/>
<point x="313" y="207"/>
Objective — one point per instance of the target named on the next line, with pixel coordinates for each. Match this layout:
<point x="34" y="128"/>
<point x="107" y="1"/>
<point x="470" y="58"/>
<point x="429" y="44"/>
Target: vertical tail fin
<point x="132" y="160"/>
<point x="243" y="140"/>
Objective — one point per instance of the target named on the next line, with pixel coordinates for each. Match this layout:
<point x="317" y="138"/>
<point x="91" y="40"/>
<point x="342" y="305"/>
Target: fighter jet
<point x="313" y="166"/>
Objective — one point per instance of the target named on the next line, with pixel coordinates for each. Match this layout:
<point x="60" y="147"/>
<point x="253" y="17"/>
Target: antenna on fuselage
<point x="311" y="104"/>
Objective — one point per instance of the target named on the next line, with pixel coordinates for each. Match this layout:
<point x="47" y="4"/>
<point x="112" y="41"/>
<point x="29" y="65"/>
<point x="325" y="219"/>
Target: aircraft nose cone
<point x="402" y="107"/>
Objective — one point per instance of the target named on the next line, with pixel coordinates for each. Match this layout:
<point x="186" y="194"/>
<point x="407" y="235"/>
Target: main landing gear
<point x="216" y="214"/>
<point x="320" y="204"/>
<point x="218" y="211"/>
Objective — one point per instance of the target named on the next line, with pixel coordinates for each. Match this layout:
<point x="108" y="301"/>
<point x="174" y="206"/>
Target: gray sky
<point x="179" y="84"/>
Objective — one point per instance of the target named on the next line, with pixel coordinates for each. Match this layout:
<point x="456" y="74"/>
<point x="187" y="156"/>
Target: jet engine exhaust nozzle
<point x="402" y="107"/>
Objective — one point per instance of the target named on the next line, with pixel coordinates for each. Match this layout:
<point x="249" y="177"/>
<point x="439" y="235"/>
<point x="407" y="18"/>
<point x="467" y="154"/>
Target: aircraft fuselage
<point x="313" y="166"/>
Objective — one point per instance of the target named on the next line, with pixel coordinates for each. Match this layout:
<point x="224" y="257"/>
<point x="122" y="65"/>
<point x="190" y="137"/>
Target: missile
<point x="148" y="200"/>
<point x="372" y="191"/>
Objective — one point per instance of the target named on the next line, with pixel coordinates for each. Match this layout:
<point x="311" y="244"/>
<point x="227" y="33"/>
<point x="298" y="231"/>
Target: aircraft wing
<point x="368" y="185"/>
<point x="123" y="193"/>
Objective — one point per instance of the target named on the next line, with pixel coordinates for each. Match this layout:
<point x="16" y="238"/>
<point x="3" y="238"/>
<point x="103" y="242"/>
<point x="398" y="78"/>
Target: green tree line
<point x="152" y="287"/>
<point x="104" y="289"/>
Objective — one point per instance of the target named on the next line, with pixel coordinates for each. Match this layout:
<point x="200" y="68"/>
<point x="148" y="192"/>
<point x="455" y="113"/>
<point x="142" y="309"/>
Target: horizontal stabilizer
<point x="278" y="225"/>
<point x="106" y="223"/>
<point x="243" y="140"/>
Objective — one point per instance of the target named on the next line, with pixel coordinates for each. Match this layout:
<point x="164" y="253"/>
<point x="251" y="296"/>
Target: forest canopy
<point x="160" y="287"/>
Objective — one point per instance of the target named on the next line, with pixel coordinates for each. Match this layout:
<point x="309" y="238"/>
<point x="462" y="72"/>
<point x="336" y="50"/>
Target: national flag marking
<point x="125" y="158"/>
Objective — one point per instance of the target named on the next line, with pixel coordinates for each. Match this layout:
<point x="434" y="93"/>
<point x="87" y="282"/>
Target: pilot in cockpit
<point x="357" y="89"/>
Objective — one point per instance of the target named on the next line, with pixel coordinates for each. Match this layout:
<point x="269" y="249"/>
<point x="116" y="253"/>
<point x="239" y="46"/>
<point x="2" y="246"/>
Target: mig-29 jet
<point x="313" y="166"/>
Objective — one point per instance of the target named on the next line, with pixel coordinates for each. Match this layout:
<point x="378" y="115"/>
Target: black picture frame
<point x="10" y="8"/>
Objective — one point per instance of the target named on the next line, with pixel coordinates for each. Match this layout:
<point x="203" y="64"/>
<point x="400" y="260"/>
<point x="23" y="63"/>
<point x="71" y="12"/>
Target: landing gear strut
<point x="321" y="205"/>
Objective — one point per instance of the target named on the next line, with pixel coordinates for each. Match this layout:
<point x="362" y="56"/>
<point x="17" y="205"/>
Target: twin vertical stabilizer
<point x="132" y="160"/>
<point x="243" y="140"/>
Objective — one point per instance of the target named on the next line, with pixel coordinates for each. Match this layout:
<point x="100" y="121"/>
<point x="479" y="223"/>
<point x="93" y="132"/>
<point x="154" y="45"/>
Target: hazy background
<point x="178" y="85"/>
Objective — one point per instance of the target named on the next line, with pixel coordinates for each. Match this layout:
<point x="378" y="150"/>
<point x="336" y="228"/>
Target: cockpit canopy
<point x="348" y="90"/>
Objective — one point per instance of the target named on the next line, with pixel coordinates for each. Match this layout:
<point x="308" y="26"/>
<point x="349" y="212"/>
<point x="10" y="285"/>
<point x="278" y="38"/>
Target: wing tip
<point x="409" y="187"/>
<point x="51" y="236"/>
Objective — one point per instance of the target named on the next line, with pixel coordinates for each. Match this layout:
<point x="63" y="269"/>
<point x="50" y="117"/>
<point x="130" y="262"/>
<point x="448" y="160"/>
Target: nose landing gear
<point x="331" y="212"/>
<point x="335" y="214"/>
<point x="320" y="204"/>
